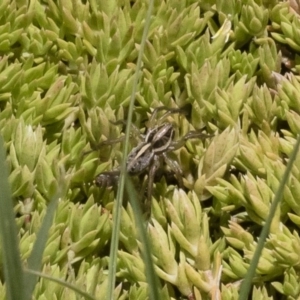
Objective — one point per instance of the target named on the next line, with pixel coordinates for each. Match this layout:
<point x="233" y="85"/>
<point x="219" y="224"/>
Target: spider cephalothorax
<point x="157" y="141"/>
<point x="151" y="152"/>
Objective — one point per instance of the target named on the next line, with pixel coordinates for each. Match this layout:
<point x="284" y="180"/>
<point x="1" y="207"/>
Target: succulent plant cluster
<point x="66" y="74"/>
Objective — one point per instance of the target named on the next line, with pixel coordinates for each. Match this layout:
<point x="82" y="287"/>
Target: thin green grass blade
<point x="246" y="285"/>
<point x="35" y="258"/>
<point x="118" y="204"/>
<point x="61" y="282"/>
<point x="152" y="279"/>
<point x="13" y="271"/>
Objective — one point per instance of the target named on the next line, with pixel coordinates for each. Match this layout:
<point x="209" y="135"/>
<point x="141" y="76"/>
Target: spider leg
<point x="116" y="140"/>
<point x="105" y="143"/>
<point x="107" y="179"/>
<point x="168" y="110"/>
<point x="152" y="170"/>
<point x="133" y="127"/>
<point x="190" y="135"/>
<point x="174" y="166"/>
<point x="196" y="135"/>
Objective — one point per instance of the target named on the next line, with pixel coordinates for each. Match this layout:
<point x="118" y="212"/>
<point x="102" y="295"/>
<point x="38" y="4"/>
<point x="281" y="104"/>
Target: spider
<point x="151" y="152"/>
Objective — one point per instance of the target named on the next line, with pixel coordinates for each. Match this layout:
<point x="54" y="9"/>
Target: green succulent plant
<point x="70" y="73"/>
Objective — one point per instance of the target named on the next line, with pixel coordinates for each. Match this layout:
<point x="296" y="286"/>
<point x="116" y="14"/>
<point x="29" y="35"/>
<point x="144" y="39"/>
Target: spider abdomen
<point x="139" y="159"/>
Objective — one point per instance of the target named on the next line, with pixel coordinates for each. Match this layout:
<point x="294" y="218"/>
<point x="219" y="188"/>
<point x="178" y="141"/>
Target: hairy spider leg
<point x="174" y="166"/>
<point x="116" y="140"/>
<point x="175" y="145"/>
<point x="133" y="127"/>
<point x="152" y="170"/>
<point x="169" y="112"/>
<point x="105" y="143"/>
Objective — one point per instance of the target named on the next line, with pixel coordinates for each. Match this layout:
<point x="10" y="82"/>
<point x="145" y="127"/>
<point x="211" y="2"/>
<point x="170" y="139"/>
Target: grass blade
<point x="35" y="258"/>
<point x="118" y="204"/>
<point x="246" y="285"/>
<point x="152" y="279"/>
<point x="61" y="282"/>
<point x="13" y="271"/>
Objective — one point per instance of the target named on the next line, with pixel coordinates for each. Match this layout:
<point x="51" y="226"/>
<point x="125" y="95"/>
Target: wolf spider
<point x="151" y="152"/>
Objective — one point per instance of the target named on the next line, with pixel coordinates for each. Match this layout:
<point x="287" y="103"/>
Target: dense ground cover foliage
<point x="66" y="75"/>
